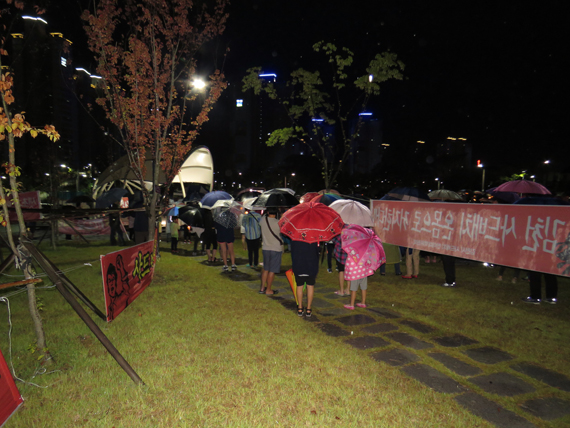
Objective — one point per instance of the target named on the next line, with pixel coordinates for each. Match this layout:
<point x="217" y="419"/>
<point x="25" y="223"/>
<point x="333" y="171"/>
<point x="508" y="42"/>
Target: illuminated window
<point x="239" y="103"/>
<point x="63" y="62"/>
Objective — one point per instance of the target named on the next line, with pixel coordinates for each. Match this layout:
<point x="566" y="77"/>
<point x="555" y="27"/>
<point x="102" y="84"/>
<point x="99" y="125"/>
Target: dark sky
<point x="492" y="72"/>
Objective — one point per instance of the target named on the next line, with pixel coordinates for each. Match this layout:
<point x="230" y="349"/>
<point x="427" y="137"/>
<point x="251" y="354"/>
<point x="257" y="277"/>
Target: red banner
<point x="29" y="200"/>
<point x="530" y="237"/>
<point x="91" y="226"/>
<point x="126" y="273"/>
<point x="10" y="398"/>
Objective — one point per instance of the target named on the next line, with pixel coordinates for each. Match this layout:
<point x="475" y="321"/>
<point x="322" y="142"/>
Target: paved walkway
<point x="466" y="366"/>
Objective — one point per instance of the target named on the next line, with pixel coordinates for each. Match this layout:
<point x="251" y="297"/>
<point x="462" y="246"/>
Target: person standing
<point x="305" y="258"/>
<point x="115" y="224"/>
<point x="252" y="233"/>
<point x="412" y="263"/>
<point x="449" y="269"/>
<point x="226" y="238"/>
<point x="174" y="230"/>
<point x="551" y="291"/>
<point x="272" y="250"/>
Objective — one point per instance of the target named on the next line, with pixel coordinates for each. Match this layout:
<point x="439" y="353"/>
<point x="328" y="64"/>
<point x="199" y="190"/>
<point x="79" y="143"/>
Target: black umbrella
<point x="275" y="198"/>
<point x="192" y="216"/>
<point x="405" y="194"/>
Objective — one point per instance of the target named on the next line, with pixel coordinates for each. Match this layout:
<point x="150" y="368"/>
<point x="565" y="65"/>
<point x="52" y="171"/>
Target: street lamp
<point x="480" y="165"/>
<point x="438" y="183"/>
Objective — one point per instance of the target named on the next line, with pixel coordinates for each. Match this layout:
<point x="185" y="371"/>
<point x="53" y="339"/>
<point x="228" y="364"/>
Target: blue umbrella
<point x="107" y="199"/>
<point x="211" y="198"/>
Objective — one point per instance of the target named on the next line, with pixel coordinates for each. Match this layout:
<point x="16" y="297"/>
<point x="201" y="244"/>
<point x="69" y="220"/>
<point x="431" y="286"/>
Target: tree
<point x="147" y="53"/>
<point x="313" y="99"/>
<point x="13" y="126"/>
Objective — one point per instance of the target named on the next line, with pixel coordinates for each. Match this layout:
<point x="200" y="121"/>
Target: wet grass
<point x="212" y="352"/>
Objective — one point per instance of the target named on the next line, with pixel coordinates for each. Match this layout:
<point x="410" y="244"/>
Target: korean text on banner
<point x="10" y="398"/>
<point x="28" y="200"/>
<point x="530" y="237"/>
<point x="126" y="274"/>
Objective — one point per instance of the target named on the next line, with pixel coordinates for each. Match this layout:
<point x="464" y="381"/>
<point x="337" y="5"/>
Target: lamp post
<point x="480" y="165"/>
<point x="438" y="183"/>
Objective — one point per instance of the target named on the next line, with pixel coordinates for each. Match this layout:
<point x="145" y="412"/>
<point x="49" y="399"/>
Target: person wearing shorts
<point x="305" y="258"/>
<point x="272" y="250"/>
<point x="340" y="256"/>
<point x="226" y="240"/>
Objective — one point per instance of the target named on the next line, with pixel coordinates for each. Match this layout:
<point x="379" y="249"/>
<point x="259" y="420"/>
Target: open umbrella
<point x="506" y="197"/>
<point x="405" y="194"/>
<point x="111" y="197"/>
<point x="226" y="212"/>
<point x="192" y="216"/>
<point x="327" y="198"/>
<point x="541" y="200"/>
<point x="364" y="252"/>
<point x="353" y="212"/>
<point x="333" y="191"/>
<point x="80" y="199"/>
<point x="444" y="195"/>
<point x="311" y="222"/>
<point x="308" y="197"/>
<point x="523" y="186"/>
<point x="275" y="198"/>
<point x="210" y="198"/>
<point x="249" y="193"/>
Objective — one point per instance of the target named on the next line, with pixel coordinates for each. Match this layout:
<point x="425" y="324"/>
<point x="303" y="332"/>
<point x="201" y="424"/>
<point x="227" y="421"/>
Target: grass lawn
<point x="213" y="352"/>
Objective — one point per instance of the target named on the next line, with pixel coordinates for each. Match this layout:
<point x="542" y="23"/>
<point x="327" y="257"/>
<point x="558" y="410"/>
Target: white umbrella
<point x="353" y="212"/>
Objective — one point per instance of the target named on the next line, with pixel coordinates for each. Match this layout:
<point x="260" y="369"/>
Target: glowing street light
<point x="198" y="84"/>
<point x="480" y="165"/>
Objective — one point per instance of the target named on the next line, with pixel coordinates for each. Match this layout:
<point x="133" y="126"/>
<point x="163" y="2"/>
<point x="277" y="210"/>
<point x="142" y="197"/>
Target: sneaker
<point x="234" y="268"/>
<point x="448" y="284"/>
<point x="248" y="265"/>
<point x="531" y="300"/>
<point x="552" y="301"/>
<point x="407" y="276"/>
<point x="329" y="270"/>
<point x="225" y="268"/>
<point x="349" y="307"/>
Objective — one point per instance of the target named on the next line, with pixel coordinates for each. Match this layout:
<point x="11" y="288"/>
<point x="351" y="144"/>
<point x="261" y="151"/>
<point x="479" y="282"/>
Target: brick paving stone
<point x="333" y="330"/>
<point x="418" y="326"/>
<point x="325" y="290"/>
<point x="395" y="357"/>
<point x="547" y="409"/>
<point x="549" y="377"/>
<point x="454" y="341"/>
<point x="455" y="365"/>
<point x="491" y="411"/>
<point x="488" y="355"/>
<point x="434" y="379"/>
<point x="386" y="313"/>
<point x="383" y="327"/>
<point x="238" y="276"/>
<point x="356" y="319"/>
<point x="332" y="312"/>
<point x="289" y="304"/>
<point x="409" y="340"/>
<point x="367" y="342"/>
<point x="503" y="384"/>
<point x="320" y="303"/>
<point x="254" y="285"/>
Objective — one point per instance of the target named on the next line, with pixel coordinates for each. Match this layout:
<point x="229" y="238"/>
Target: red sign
<point x="29" y="200"/>
<point x="10" y="398"/>
<point x="530" y="237"/>
<point x="126" y="273"/>
<point x="91" y="226"/>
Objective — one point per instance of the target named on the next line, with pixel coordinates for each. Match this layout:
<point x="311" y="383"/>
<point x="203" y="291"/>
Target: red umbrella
<point x="311" y="222"/>
<point x="523" y="186"/>
<point x="308" y="197"/>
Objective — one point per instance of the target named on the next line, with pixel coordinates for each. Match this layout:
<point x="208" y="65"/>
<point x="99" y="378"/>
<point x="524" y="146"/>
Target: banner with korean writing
<point x="10" y="398"/>
<point x="530" y="237"/>
<point x="90" y="226"/>
<point x="126" y="274"/>
<point x="29" y="200"/>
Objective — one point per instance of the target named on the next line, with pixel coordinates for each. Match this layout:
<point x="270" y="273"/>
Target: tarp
<point x="535" y="238"/>
<point x="10" y="398"/>
<point x="29" y="200"/>
<point x="126" y="274"/>
<point x="91" y="226"/>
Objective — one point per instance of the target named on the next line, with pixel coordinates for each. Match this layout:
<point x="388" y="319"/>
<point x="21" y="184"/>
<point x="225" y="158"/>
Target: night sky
<point x="492" y="72"/>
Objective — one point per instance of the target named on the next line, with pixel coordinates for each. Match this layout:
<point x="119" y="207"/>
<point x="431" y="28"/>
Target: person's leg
<point x="270" y="278"/>
<point x="249" y="245"/>
<point x="223" y="253"/>
<point x="352" y="297"/>
<point x="310" y="295"/>
<point x="409" y="265"/>
<point x="341" y="282"/>
<point x="231" y="252"/>
<point x="397" y="269"/>
<point x="416" y="262"/>
<point x="330" y="251"/>
<point x="448" y="268"/>
<point x="535" y="284"/>
<point x="255" y="245"/>
<point x="551" y="281"/>
<point x="300" y="300"/>
<point x="172" y="245"/>
<point x="264" y="274"/>
<point x="363" y="297"/>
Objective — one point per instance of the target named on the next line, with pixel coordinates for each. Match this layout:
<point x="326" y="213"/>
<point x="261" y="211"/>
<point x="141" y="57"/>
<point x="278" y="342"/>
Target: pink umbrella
<point x="364" y="249"/>
<point x="523" y="186"/>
